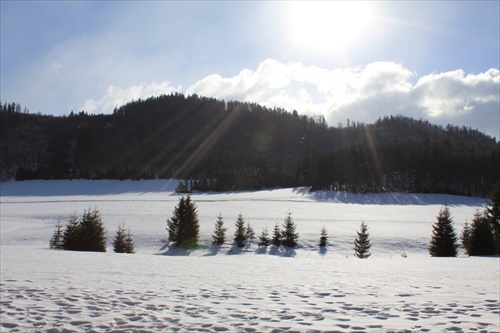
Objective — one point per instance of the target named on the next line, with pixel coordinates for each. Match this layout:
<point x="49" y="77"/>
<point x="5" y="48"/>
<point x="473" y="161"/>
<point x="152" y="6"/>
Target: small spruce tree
<point x="323" y="238"/>
<point x="71" y="237"/>
<point x="444" y="240"/>
<point x="277" y="236"/>
<point x="123" y="241"/>
<point x="56" y="242"/>
<point x="219" y="235"/>
<point x="362" y="243"/>
<point x="183" y="226"/>
<point x="264" y="238"/>
<point x="92" y="232"/>
<point x="465" y="237"/>
<point x="289" y="235"/>
<point x="249" y="233"/>
<point x="493" y="214"/>
<point x="239" y="233"/>
<point x="482" y="241"/>
<point x="129" y="243"/>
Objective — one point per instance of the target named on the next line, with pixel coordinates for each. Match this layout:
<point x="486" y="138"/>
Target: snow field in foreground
<point x="219" y="289"/>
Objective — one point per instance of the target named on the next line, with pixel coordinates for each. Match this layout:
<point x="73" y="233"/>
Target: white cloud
<point x="365" y="93"/>
<point x="117" y="96"/>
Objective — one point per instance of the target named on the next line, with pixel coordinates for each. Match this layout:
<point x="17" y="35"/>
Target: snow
<point x="213" y="289"/>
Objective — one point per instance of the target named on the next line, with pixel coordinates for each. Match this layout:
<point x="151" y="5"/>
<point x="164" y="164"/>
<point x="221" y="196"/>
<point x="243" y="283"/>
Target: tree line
<point x="482" y="237"/>
<point x="227" y="145"/>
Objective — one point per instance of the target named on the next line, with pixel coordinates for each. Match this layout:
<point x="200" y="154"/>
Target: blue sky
<point x="359" y="60"/>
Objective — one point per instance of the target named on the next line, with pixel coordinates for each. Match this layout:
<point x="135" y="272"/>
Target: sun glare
<point x="328" y="25"/>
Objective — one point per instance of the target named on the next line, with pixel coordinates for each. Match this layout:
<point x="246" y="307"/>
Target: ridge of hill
<point x="221" y="146"/>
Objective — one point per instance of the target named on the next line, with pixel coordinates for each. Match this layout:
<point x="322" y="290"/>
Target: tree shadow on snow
<point x="214" y="250"/>
<point x="323" y="250"/>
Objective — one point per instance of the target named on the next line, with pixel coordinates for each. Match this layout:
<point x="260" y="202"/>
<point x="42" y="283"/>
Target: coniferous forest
<point x="219" y="145"/>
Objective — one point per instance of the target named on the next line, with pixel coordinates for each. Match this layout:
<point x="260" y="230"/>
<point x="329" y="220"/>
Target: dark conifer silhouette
<point x="92" y="232"/>
<point x="87" y="234"/>
<point x="482" y="241"/>
<point x="289" y="235"/>
<point x="56" y="242"/>
<point x="183" y="226"/>
<point x="277" y="235"/>
<point x="239" y="233"/>
<point x="493" y="214"/>
<point x="219" y="235"/>
<point x="362" y="243"/>
<point x="123" y="241"/>
<point x="71" y="239"/>
<point x="444" y="240"/>
<point x="264" y="238"/>
<point x="465" y="237"/>
<point x="249" y="233"/>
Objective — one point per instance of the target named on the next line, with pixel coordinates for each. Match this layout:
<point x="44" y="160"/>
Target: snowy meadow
<point x="222" y="288"/>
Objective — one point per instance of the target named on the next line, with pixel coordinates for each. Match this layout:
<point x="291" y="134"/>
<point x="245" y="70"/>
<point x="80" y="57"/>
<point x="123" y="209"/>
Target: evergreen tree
<point x="56" y="242"/>
<point x="87" y="234"/>
<point x="289" y="235"/>
<point x="264" y="238"/>
<point x="362" y="243"/>
<point x="123" y="242"/>
<point x="239" y="234"/>
<point x="119" y="240"/>
<point x="323" y="238"/>
<point x="465" y="237"/>
<point x="92" y="233"/>
<point x="219" y="235"/>
<point x="444" y="240"/>
<point x="249" y="233"/>
<point x="482" y="242"/>
<point x="493" y="214"/>
<point x="71" y="237"/>
<point x="183" y="226"/>
<point x="174" y="221"/>
<point x="129" y="243"/>
<point x="277" y="236"/>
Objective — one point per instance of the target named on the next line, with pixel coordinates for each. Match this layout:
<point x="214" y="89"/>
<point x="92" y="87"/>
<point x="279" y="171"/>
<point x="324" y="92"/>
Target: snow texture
<point x="223" y="288"/>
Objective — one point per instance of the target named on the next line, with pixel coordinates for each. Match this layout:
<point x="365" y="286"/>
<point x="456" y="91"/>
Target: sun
<point x="328" y="25"/>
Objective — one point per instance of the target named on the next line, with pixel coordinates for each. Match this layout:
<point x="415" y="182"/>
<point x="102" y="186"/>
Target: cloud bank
<point x="360" y="94"/>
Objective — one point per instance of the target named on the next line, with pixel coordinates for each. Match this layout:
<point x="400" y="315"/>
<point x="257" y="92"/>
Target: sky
<point x="355" y="60"/>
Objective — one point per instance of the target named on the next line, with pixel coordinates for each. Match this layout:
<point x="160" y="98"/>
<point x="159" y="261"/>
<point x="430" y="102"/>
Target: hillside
<point x="233" y="145"/>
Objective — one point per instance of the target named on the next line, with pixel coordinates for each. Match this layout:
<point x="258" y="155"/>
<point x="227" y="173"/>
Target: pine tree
<point x="129" y="243"/>
<point x="71" y="237"/>
<point x="92" y="233"/>
<point x="183" y="226"/>
<point x="264" y="238"/>
<point x="174" y="221"/>
<point x="119" y="240"/>
<point x="239" y="234"/>
<point x="482" y="242"/>
<point x="56" y="242"/>
<point x="465" y="237"/>
<point x="123" y="242"/>
<point x="493" y="214"/>
<point x="249" y="233"/>
<point x="219" y="235"/>
<point x="289" y="235"/>
<point x="362" y="243"/>
<point x="444" y="240"/>
<point x="277" y="237"/>
<point x="323" y="238"/>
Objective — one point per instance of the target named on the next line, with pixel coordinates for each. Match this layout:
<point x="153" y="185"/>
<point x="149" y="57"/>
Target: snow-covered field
<point x="215" y="289"/>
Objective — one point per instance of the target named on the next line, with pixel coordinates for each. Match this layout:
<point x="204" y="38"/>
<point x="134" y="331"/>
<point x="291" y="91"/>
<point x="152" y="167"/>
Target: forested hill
<point x="234" y="145"/>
